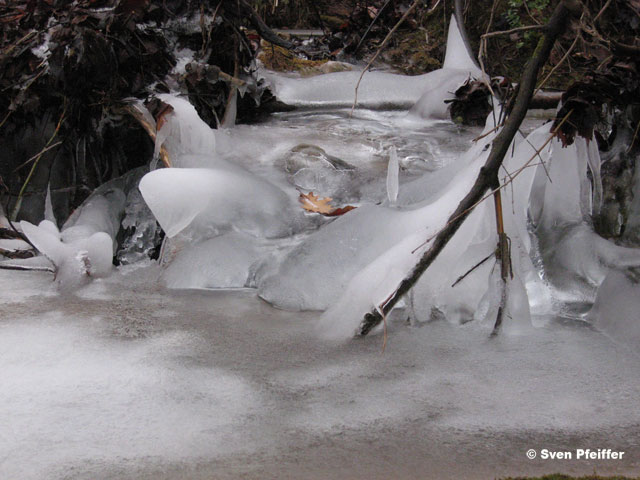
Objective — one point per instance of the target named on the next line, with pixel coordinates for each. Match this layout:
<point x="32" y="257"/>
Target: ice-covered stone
<point x="226" y="261"/>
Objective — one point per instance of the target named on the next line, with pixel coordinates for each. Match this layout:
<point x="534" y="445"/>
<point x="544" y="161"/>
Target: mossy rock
<point x="280" y="59"/>
<point x="414" y="54"/>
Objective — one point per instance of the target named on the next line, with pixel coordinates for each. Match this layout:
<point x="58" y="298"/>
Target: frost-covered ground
<point x="128" y="380"/>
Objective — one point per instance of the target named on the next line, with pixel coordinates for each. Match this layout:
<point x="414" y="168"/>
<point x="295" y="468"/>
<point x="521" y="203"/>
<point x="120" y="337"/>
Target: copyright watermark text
<point x="577" y="454"/>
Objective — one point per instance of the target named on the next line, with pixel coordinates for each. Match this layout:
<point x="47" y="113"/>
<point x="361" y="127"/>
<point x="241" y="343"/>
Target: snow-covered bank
<point x="131" y="381"/>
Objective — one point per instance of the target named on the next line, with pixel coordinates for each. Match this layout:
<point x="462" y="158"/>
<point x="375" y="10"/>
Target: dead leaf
<point x="315" y="204"/>
<point x="312" y="203"/>
<point x="340" y="211"/>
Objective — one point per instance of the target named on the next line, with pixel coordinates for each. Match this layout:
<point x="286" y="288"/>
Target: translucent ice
<point x="76" y="260"/>
<point x="457" y="55"/>
<point x="316" y="273"/>
<point x="392" y="176"/>
<point x="142" y="232"/>
<point x="376" y="280"/>
<point x="615" y="311"/>
<point x="226" y="261"/>
<point x="184" y="132"/>
<point x="85" y="246"/>
<point x="576" y="258"/>
<point x="205" y="202"/>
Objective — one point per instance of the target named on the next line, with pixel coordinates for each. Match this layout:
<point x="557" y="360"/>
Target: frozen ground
<point x="127" y="380"/>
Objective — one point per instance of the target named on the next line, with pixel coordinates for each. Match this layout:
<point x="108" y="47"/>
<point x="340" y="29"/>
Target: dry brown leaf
<point x="340" y="211"/>
<point x="315" y="204"/>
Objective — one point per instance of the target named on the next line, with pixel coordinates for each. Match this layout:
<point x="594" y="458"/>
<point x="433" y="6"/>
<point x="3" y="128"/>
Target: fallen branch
<point x="17" y="254"/>
<point x="8" y="234"/>
<point x="489" y="172"/>
<point x="27" y="268"/>
<point x="263" y="30"/>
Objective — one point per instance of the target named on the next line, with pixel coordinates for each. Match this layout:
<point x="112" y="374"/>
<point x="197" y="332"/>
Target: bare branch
<point x="489" y="172"/>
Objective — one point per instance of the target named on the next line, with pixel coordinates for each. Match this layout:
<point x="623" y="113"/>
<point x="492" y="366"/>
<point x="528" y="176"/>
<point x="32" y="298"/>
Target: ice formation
<point x="380" y="89"/>
<point x="479" y="294"/>
<point x="316" y="272"/>
<point x="393" y="170"/>
<point x="142" y="228"/>
<point x="576" y="259"/>
<point x="225" y="261"/>
<point x="203" y="203"/>
<point x="615" y="311"/>
<point x="86" y="244"/>
<point x="184" y="133"/>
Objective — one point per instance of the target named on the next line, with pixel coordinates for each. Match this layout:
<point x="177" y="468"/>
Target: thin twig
<point x="35" y="163"/>
<point x="555" y="67"/>
<point x="45" y="149"/>
<point x="633" y="140"/>
<point x="513" y="30"/>
<point x="606" y="5"/>
<point x="464" y="275"/>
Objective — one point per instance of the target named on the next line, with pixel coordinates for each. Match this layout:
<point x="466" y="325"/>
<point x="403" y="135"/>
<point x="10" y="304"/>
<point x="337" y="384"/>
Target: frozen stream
<point x="128" y="380"/>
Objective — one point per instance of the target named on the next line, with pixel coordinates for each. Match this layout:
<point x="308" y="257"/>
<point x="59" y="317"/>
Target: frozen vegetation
<point x="156" y="370"/>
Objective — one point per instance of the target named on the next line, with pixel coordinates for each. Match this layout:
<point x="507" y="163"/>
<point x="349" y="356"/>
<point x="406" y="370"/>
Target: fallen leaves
<point x="314" y="204"/>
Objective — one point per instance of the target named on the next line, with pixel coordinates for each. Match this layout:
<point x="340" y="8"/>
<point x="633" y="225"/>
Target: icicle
<point x="392" y="176"/>
<point x="457" y="56"/>
<point x="48" y="207"/>
<point x="593" y="160"/>
<point x="229" y="119"/>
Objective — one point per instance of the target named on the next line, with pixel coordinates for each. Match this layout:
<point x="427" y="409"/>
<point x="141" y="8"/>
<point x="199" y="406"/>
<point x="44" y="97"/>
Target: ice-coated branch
<point x="489" y="172"/>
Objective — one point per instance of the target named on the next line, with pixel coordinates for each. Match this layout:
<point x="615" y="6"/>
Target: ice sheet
<point x="381" y="89"/>
<point x="140" y="383"/>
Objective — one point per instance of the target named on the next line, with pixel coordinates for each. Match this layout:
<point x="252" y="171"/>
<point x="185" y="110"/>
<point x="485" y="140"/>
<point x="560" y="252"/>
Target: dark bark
<point x="263" y="30"/>
<point x="545" y="100"/>
<point x="488" y="173"/>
